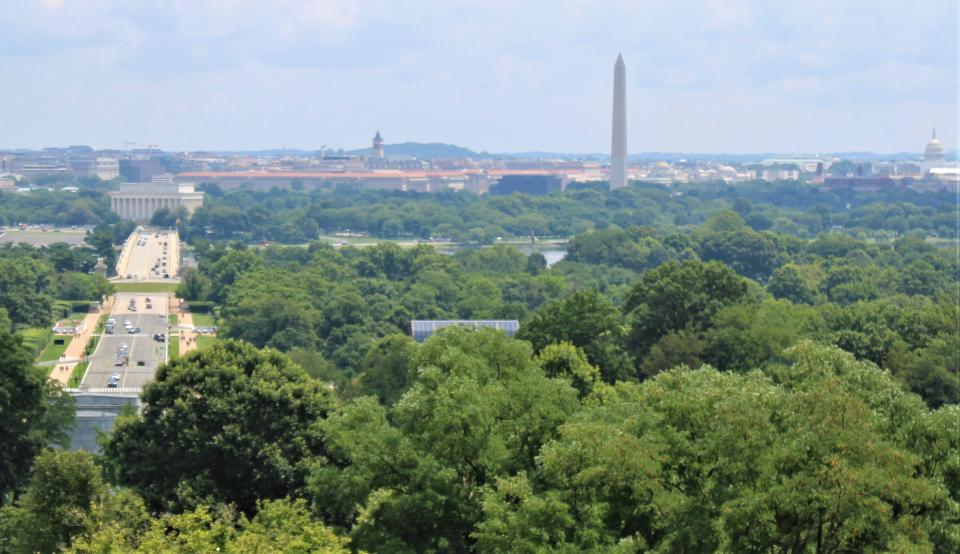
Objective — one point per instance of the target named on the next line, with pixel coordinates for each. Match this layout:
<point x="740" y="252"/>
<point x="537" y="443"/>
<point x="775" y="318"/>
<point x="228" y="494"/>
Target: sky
<point x="732" y="76"/>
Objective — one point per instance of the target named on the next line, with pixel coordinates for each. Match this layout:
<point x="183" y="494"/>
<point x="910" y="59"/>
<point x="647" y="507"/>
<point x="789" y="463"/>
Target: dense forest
<point x="761" y="369"/>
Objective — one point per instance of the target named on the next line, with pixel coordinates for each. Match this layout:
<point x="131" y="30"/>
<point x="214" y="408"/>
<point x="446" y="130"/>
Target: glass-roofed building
<point x="422" y="329"/>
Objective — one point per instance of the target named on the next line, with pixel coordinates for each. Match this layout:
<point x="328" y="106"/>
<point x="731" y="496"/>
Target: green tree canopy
<point x="228" y="424"/>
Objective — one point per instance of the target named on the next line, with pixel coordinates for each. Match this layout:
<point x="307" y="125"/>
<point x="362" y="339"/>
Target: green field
<point x="144" y="287"/>
<point x="206" y="341"/>
<point x="203" y="320"/>
<point x="172" y="320"/>
<point x="53" y="351"/>
<point x="36" y="338"/>
<point x="77" y="376"/>
<point x="173" y="347"/>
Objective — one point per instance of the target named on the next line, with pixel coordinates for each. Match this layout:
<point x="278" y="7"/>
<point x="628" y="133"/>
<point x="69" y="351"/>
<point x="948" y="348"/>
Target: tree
<point x="27" y="287"/>
<point x="788" y="282"/>
<point x="567" y="361"/>
<point x="587" y="320"/>
<point x="50" y="512"/>
<point x="480" y="407"/>
<point x="227" y="424"/>
<point x="228" y="269"/>
<point x="751" y="254"/>
<point x="33" y="413"/>
<point x="278" y="526"/>
<point x="677" y="296"/>
<point x="81" y="286"/>
<point x="194" y="286"/>
<point x="536" y="263"/>
<point x="388" y="368"/>
<point x="821" y="457"/>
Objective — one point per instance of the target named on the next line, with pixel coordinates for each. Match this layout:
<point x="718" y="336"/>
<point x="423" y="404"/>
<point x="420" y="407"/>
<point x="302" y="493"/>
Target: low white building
<point x="107" y="168"/>
<point x="138" y="201"/>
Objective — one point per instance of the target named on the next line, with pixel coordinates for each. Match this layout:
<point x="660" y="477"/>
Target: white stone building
<point x="107" y="168"/>
<point x="138" y="201"/>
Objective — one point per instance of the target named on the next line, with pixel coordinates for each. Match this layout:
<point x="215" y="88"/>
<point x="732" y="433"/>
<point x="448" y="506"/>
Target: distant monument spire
<point x="618" y="150"/>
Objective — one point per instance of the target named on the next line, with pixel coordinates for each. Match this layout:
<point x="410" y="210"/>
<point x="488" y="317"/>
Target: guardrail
<point x="105" y="390"/>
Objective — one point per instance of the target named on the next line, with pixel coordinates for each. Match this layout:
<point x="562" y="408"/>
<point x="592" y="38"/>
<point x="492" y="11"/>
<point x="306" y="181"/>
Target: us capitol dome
<point x="933" y="154"/>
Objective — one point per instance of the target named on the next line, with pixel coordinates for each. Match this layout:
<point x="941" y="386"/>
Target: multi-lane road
<point x="145" y="353"/>
<point x="150" y="255"/>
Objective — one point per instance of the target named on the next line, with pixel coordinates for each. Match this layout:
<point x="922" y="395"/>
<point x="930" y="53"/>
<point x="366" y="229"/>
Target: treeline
<point x="636" y="302"/>
<point x="85" y="207"/>
<point x="786" y="208"/>
<point x="296" y="217"/>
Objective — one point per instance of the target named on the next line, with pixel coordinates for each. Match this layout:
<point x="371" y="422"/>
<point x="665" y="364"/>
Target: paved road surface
<point x="148" y="251"/>
<point x="141" y="346"/>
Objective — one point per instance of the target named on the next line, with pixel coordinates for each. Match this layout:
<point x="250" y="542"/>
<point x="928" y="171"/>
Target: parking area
<point x="130" y="351"/>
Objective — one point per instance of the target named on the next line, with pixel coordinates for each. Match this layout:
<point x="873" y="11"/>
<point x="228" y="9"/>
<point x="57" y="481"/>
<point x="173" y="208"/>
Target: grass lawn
<point x="173" y="347"/>
<point x="144" y="287"/>
<point x="206" y="341"/>
<point x="203" y="320"/>
<point x="77" y="376"/>
<point x="53" y="351"/>
<point x="172" y="320"/>
<point x="36" y="338"/>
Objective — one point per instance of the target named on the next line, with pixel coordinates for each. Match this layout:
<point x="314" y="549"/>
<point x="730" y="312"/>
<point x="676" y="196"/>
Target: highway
<point x="148" y="255"/>
<point x="141" y="346"/>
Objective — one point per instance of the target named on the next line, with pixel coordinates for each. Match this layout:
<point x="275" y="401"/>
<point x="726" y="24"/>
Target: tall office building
<point x="618" y="150"/>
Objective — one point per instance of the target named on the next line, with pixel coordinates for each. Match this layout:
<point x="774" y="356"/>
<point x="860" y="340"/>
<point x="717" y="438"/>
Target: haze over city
<point x="702" y="76"/>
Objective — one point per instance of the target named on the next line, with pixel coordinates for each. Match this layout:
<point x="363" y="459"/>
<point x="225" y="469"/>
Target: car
<point x="134" y="330"/>
<point x="119" y="363"/>
<point x="141" y="363"/>
<point x="148" y="299"/>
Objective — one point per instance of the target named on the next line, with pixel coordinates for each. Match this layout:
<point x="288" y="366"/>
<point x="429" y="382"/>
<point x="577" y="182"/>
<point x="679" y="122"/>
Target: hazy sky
<point x="498" y="75"/>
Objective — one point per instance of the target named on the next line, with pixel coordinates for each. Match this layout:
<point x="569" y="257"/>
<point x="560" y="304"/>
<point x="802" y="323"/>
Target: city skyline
<point x="735" y="77"/>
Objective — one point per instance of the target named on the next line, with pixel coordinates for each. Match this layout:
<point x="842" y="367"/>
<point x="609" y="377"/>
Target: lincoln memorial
<point x="138" y="201"/>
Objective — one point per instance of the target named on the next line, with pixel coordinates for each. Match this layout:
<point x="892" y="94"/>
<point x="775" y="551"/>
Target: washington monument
<point x="618" y="150"/>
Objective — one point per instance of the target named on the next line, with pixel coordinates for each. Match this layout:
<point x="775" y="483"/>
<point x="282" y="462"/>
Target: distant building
<point x="407" y="181"/>
<point x="421" y="330"/>
<point x="140" y="171"/>
<point x="868" y="183"/>
<point x="527" y="184"/>
<point x="779" y="174"/>
<point x="378" y="146"/>
<point x="933" y="154"/>
<point x="106" y="168"/>
<point x="138" y="201"/>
